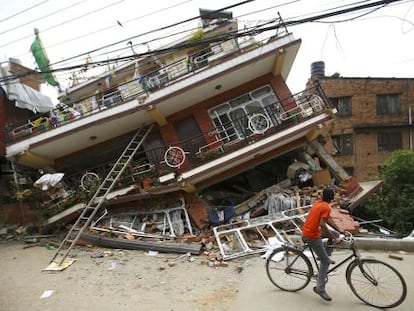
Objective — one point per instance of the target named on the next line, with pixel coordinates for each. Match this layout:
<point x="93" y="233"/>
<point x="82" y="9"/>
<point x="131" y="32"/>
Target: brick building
<point x="9" y="113"/>
<point x="374" y="118"/>
<point x="12" y="211"/>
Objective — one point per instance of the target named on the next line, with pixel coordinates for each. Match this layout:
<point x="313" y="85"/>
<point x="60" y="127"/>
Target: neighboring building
<point x="13" y="112"/>
<point x="374" y="118"/>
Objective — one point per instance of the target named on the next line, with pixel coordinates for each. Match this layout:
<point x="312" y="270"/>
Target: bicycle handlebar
<point x="348" y="237"/>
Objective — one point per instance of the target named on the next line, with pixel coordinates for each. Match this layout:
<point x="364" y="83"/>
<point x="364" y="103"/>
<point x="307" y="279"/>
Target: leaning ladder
<point x="99" y="197"/>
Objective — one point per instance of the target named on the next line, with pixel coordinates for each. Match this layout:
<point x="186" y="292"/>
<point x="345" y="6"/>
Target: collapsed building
<point x="203" y="134"/>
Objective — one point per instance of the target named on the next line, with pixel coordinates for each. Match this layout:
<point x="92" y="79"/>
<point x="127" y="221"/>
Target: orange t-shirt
<point x="311" y="229"/>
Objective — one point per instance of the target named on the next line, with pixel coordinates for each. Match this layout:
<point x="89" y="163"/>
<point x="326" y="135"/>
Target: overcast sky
<point x="378" y="44"/>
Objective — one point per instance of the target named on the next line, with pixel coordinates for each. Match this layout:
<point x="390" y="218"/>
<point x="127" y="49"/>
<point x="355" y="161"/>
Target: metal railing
<point x="218" y="141"/>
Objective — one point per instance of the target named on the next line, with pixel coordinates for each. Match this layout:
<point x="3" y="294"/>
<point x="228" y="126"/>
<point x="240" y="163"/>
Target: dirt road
<point x="120" y="280"/>
<point x="103" y="279"/>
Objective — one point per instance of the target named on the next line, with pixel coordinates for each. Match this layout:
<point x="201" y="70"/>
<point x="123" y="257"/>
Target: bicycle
<point x="374" y="282"/>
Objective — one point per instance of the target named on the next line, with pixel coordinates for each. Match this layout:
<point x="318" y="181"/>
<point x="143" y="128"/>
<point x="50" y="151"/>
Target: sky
<point x="369" y="43"/>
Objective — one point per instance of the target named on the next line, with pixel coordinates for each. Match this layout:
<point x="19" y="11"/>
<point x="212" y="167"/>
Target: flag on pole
<point x="42" y="60"/>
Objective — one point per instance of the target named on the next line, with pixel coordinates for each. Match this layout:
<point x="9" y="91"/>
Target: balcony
<point x="137" y="89"/>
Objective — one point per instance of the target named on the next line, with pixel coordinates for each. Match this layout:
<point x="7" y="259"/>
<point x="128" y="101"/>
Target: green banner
<point x="42" y="60"/>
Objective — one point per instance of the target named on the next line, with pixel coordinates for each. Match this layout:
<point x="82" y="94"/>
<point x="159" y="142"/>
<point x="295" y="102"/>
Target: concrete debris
<point x="210" y="224"/>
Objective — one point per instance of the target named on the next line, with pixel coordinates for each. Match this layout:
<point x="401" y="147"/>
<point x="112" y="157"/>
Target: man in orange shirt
<point x="316" y="222"/>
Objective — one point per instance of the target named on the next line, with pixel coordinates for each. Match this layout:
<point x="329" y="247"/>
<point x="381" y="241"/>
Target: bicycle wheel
<point x="376" y="283"/>
<point x="289" y="269"/>
<point x="90" y="181"/>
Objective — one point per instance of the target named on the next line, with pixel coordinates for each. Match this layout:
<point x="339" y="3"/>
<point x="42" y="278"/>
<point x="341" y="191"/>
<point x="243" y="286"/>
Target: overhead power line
<point x="109" y="61"/>
<point x="123" y="23"/>
<point x="152" y="31"/>
<point x="42" y="17"/>
<point x="25" y="10"/>
<point x="109" y="27"/>
<point x="65" y="22"/>
<point x="287" y="23"/>
<point x="227" y="36"/>
<point x="342" y="11"/>
<point x="85" y="54"/>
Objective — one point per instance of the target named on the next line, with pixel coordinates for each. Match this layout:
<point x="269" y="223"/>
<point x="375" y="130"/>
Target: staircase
<point x="99" y="197"/>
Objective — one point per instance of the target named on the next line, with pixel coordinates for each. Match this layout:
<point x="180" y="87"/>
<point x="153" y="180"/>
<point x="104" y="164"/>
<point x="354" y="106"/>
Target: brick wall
<point x="365" y="123"/>
<point x="32" y="80"/>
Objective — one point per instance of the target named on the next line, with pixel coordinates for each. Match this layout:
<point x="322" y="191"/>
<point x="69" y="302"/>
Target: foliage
<point x="23" y="194"/>
<point x="395" y="203"/>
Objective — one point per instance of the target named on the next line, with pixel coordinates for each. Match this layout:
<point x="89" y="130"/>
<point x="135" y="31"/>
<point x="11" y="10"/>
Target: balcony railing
<point x="136" y="89"/>
<point x="226" y="138"/>
<point x="240" y="132"/>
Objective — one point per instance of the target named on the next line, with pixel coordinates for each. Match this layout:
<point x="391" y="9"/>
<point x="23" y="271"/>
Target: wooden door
<point x="190" y="137"/>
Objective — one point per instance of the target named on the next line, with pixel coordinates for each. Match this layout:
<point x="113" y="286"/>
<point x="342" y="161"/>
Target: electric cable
<point x="149" y="32"/>
<point x="65" y="22"/>
<point x="123" y="23"/>
<point x="42" y="17"/>
<point x="25" y="10"/>
<point x="294" y="22"/>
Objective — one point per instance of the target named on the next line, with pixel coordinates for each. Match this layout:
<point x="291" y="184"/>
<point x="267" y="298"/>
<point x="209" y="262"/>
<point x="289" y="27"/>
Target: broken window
<point x="343" y="105"/>
<point x="388" y="104"/>
<point x="256" y="235"/>
<point x="343" y="144"/>
<point x="389" y="141"/>
<point x="169" y="222"/>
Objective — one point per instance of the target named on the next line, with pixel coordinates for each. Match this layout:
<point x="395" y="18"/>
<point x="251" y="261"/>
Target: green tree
<point x="395" y="202"/>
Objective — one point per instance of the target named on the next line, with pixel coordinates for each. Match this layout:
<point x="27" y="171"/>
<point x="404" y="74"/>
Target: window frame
<point x="388" y="104"/>
<point x="226" y="111"/>
<point x="341" y="145"/>
<point x="342" y="100"/>
<point x="389" y="141"/>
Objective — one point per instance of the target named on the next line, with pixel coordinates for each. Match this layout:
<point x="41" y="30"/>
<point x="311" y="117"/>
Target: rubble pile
<point x="273" y="215"/>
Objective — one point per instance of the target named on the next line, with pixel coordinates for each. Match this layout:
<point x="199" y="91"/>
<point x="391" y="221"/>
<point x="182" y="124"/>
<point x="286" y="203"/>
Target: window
<point x="389" y="141"/>
<point x="231" y="118"/>
<point x="343" y="144"/>
<point x="343" y="105"/>
<point x="388" y="104"/>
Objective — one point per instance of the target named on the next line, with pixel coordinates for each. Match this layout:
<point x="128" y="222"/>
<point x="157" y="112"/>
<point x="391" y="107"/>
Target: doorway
<point x="190" y="137"/>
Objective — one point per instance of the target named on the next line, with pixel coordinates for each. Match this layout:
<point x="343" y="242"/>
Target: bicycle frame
<point x="354" y="255"/>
